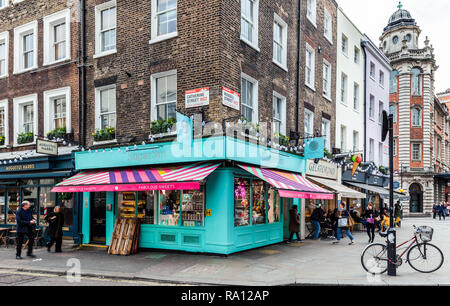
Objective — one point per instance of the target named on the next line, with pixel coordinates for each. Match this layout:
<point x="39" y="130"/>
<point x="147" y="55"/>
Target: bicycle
<point x="374" y="257"/>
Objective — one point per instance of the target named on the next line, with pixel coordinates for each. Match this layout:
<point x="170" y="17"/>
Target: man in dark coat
<point x="294" y="223"/>
<point x="56" y="222"/>
<point x="317" y="216"/>
<point x="25" y="226"/>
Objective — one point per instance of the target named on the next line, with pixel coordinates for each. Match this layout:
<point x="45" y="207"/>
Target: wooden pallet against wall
<point x="125" y="237"/>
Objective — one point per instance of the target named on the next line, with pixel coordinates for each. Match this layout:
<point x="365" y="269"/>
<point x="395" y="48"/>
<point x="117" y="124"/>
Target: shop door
<point x="416" y="202"/>
<point x="287" y="205"/>
<point x="98" y="218"/>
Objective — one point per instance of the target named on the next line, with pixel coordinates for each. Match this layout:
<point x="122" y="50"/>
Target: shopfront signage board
<point x="46" y="147"/>
<point x="322" y="169"/>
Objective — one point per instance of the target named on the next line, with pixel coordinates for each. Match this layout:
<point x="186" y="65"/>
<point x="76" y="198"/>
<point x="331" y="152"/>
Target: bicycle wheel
<point x="374" y="258"/>
<point x="425" y="258"/>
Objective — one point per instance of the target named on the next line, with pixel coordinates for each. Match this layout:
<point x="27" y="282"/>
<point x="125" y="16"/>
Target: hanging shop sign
<point x="322" y="169"/>
<point x="197" y="97"/>
<point x="46" y="147"/>
<point x="230" y="98"/>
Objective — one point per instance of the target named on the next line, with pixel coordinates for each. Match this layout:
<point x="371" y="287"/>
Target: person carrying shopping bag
<point x="344" y="224"/>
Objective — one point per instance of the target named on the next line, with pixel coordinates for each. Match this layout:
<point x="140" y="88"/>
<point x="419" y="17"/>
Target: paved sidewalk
<point x="311" y="262"/>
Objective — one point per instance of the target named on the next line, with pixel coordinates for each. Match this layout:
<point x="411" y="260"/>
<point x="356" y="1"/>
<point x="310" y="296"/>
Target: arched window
<point x="394" y="82"/>
<point x="416" y="117"/>
<point x="416" y="81"/>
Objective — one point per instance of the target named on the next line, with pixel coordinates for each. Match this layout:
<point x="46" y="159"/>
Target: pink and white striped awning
<point x="185" y="177"/>
<point x="290" y="185"/>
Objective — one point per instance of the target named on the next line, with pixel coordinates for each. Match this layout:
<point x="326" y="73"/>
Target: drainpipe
<point x="297" y="119"/>
<point x="363" y="47"/>
<point x="82" y="77"/>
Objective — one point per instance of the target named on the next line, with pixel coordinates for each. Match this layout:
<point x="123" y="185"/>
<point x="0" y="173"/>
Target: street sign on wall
<point x="197" y="97"/>
<point x="230" y="98"/>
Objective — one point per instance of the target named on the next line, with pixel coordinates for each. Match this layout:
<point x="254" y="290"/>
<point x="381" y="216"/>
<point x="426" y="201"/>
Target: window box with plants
<point x="24" y="138"/>
<point x="281" y="139"/>
<point x="2" y="140"/>
<point x="106" y="134"/>
<point x="250" y="129"/>
<point x="163" y="127"/>
<point x="57" y="133"/>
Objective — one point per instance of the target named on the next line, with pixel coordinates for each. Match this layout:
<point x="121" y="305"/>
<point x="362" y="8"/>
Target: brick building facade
<point x="201" y="46"/>
<point x="318" y="48"/>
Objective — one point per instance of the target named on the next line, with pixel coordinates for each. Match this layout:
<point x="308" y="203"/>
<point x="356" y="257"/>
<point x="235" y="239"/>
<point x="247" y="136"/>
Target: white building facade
<point x="349" y="86"/>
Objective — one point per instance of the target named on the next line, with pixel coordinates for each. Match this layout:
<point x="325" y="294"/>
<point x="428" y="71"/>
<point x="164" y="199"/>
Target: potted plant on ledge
<point x="26" y="137"/>
<point x="163" y="127"/>
<point x="57" y="133"/>
<point x="108" y="133"/>
<point x="2" y="140"/>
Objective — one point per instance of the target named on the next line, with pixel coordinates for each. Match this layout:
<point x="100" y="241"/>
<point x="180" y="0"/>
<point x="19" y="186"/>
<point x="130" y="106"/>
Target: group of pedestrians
<point x="26" y="226"/>
<point x="341" y="220"/>
<point x="440" y="209"/>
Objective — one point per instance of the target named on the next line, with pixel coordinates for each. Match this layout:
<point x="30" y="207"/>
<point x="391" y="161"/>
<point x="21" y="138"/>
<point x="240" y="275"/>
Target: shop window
<point x="259" y="202"/>
<point x="241" y="202"/>
<point x="147" y="206"/>
<point x="12" y="205"/>
<point x="192" y="209"/>
<point x="30" y="194"/>
<point x="273" y="206"/>
<point x="67" y="210"/>
<point x="169" y="207"/>
<point x="47" y="201"/>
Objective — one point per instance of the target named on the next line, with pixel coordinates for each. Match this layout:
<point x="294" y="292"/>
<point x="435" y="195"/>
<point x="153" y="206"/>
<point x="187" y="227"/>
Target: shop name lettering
<point x="316" y="168"/>
<point x="19" y="167"/>
<point x="134" y="156"/>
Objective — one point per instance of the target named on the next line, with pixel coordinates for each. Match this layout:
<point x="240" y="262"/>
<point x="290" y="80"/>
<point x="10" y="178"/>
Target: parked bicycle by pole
<point x="421" y="255"/>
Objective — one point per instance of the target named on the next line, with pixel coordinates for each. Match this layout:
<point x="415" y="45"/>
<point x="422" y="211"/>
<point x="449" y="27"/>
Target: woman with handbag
<point x="371" y="217"/>
<point x="344" y="223"/>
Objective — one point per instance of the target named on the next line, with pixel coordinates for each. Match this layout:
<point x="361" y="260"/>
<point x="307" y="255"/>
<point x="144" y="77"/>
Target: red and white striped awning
<point x="185" y="177"/>
<point x="290" y="185"/>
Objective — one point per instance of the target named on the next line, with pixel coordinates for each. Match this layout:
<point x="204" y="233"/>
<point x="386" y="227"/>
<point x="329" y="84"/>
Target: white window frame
<point x="309" y="130"/>
<point x="283" y="112"/>
<point x="372" y="75"/>
<point x="4" y="105"/>
<point x="419" y="117"/>
<point x="381" y="78"/>
<point x="17" y="1"/>
<point x="343" y="136"/>
<point x="395" y="146"/>
<point x="4" y="37"/>
<point x="412" y="152"/>
<point x="344" y="88"/>
<point x="327" y="20"/>
<point x="154" y="91"/>
<point x="18" y="104"/>
<point x="327" y="133"/>
<point x="255" y="95"/>
<point x="372" y="107"/>
<point x="49" y="23"/>
<point x="255" y="43"/>
<point x="155" y="38"/>
<point x="49" y="97"/>
<point x="19" y="33"/>
<point x="344" y="38"/>
<point x="380" y="153"/>
<point x="327" y="93"/>
<point x="356" y="96"/>
<point x="371" y="150"/>
<point x="284" y="42"/>
<point x="311" y="11"/>
<point x="380" y="111"/>
<point x="5" y="5"/>
<point x="98" y="24"/>
<point x="98" y="90"/>
<point x="355" y="141"/>
<point x="310" y="84"/>
<point x="357" y="55"/>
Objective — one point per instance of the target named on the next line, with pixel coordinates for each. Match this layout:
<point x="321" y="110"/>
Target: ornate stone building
<point x="412" y="103"/>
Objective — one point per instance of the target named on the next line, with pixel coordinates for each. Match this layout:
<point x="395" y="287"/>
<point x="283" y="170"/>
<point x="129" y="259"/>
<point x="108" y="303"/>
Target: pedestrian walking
<point x="294" y="223"/>
<point x="317" y="216"/>
<point x="445" y="209"/>
<point x="371" y="217"/>
<point x="440" y="210"/>
<point x="25" y="226"/>
<point x="434" y="211"/>
<point x="344" y="223"/>
<point x="56" y="222"/>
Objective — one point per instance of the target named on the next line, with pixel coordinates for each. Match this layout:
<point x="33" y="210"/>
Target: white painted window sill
<point x="24" y="70"/>
<point x="310" y="87"/>
<point x="3" y="76"/>
<point x="284" y="67"/>
<point x="104" y="142"/>
<point x="163" y="38"/>
<point x="164" y="135"/>
<point x="106" y="53"/>
<point x="25" y="144"/>
<point x="250" y="44"/>
<point x="57" y="62"/>
<point x="328" y="98"/>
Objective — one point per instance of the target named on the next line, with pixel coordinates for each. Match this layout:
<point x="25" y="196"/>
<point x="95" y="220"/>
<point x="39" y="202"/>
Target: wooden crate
<point x="125" y="237"/>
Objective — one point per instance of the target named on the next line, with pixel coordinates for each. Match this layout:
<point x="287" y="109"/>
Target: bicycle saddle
<point x="383" y="234"/>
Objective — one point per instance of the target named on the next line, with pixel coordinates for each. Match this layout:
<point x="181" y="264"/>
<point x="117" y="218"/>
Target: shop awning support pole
<point x="392" y="244"/>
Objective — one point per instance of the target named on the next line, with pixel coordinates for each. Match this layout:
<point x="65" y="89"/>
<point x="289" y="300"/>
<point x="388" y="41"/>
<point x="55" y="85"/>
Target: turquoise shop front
<point x="216" y="195"/>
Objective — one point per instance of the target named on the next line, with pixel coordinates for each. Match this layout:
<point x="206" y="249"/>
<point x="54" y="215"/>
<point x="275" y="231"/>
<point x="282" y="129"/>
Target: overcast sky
<point x="432" y="16"/>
